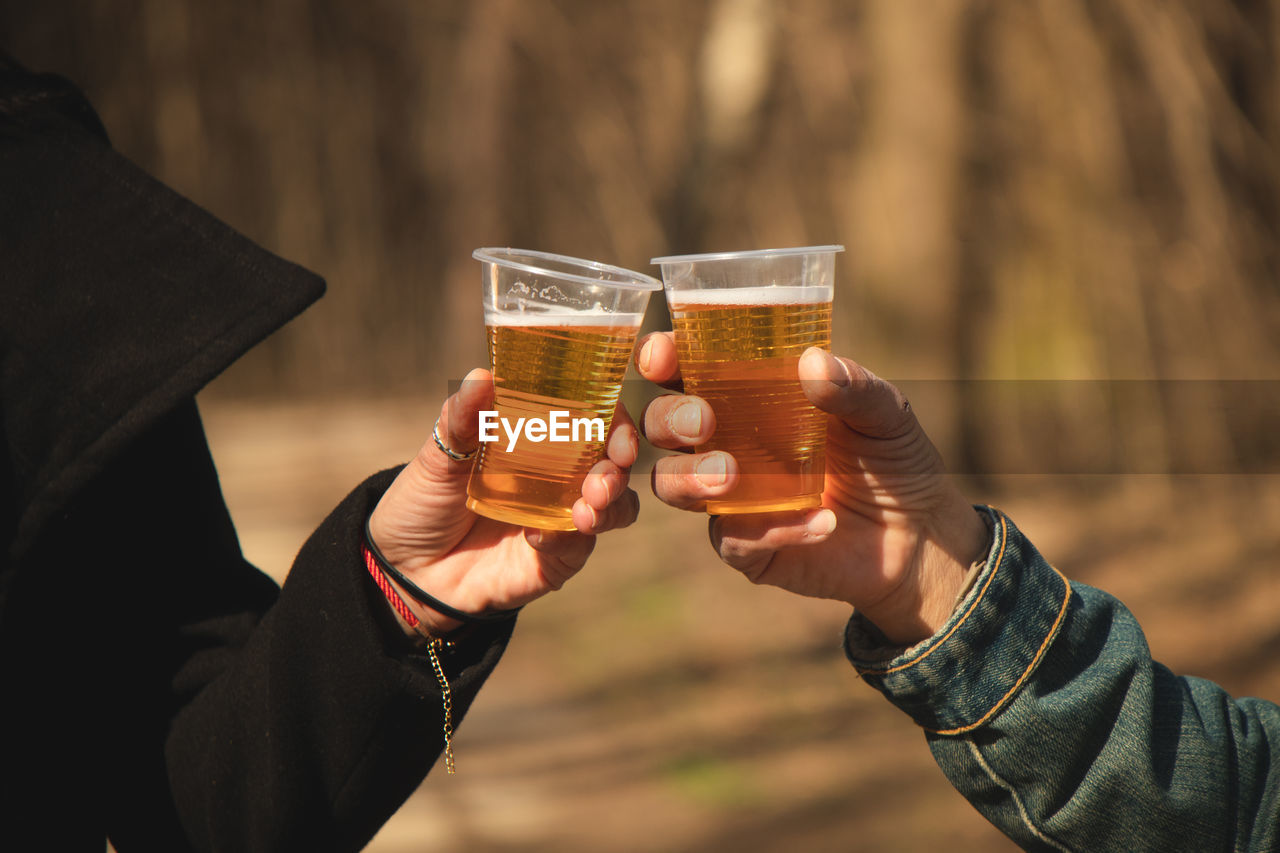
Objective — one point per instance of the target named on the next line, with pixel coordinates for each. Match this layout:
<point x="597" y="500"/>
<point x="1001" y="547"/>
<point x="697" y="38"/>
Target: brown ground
<point x="661" y="703"/>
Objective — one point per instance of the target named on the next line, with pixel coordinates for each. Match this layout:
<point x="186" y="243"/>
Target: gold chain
<point x="447" y="698"/>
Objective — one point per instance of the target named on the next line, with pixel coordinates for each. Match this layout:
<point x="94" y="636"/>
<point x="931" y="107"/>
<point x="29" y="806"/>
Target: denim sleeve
<point x="1042" y="705"/>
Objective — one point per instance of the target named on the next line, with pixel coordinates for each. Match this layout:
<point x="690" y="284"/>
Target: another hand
<point x="476" y="564"/>
<point x="894" y="536"/>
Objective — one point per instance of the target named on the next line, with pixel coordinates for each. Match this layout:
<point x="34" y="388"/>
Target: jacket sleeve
<point x="1042" y="705"/>
<point x="313" y="733"/>
<point x="243" y="717"/>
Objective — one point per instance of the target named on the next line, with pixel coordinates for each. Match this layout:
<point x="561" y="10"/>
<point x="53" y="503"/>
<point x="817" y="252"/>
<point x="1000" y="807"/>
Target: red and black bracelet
<point x="393" y="597"/>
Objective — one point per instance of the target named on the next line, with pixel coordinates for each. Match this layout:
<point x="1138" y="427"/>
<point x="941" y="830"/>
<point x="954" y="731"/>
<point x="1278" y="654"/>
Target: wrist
<point x="413" y="621"/>
<point x="952" y="563"/>
<point x="948" y="550"/>
<point x="430" y="623"/>
<point x="409" y="575"/>
<point x="399" y="588"/>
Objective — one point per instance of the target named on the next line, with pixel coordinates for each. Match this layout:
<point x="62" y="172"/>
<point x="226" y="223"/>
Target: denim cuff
<point x="963" y="675"/>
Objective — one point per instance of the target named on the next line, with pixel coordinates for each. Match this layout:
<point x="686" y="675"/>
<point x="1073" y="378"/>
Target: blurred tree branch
<point x="1064" y="189"/>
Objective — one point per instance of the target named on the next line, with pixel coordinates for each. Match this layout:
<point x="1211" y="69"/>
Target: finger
<point x="749" y="543"/>
<point x="657" y="361"/>
<point x="623" y="447"/>
<point x="621" y="512"/>
<point x="687" y="482"/>
<point x="674" y="421"/>
<point x="865" y="402"/>
<point x="604" y="483"/>
<point x="459" y="424"/>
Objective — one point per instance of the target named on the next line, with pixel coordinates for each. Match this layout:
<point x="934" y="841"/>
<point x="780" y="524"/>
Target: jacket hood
<point x="119" y="298"/>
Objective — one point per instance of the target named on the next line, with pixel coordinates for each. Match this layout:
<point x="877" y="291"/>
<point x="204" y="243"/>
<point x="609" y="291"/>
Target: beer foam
<point x="569" y="318"/>
<point x="750" y="296"/>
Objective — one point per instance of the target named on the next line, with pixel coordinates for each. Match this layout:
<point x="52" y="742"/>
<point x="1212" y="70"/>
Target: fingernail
<point x="687" y="420"/>
<point x="837" y="372"/>
<point x="712" y="470"/>
<point x="646" y="353"/>
<point x="821" y="524"/>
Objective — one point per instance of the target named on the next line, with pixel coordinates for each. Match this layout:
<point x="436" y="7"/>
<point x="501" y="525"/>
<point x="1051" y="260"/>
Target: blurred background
<point x="1063" y="224"/>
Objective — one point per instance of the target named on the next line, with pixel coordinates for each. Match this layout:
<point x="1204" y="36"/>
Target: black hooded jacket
<point x="155" y="687"/>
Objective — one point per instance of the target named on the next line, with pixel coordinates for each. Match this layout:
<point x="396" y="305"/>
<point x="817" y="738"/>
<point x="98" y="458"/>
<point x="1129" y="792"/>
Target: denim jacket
<point x="1042" y="705"/>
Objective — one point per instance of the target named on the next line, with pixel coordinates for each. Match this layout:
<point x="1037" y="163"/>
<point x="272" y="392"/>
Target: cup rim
<point x="503" y="256"/>
<point x="749" y="253"/>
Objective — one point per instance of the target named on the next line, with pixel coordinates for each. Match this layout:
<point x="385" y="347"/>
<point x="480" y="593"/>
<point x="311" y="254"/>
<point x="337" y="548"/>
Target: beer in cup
<point x="741" y="322"/>
<point x="561" y="332"/>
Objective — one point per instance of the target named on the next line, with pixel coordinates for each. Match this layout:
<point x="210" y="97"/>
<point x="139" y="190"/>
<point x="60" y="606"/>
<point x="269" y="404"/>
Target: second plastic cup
<point x="742" y="321"/>
<point x="561" y="331"/>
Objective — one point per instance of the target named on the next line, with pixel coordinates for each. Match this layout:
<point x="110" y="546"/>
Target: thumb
<point x="866" y="403"/>
<point x="458" y="427"/>
<point x="423" y="513"/>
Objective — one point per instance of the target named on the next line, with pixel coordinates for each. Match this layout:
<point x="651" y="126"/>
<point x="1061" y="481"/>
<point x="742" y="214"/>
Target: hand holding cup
<point x="893" y="536"/>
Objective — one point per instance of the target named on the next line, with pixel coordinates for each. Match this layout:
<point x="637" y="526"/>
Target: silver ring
<point x="447" y="451"/>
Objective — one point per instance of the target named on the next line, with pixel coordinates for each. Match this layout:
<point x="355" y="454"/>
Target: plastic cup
<point x="561" y="332"/>
<point x="742" y="321"/>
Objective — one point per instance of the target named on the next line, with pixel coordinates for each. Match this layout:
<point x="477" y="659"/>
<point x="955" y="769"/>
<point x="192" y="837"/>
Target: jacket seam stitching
<point x="1023" y="814"/>
<point x="1026" y="673"/>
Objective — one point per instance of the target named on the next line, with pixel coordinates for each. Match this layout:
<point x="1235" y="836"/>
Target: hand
<point x="475" y="564"/>
<point x="894" y="536"/>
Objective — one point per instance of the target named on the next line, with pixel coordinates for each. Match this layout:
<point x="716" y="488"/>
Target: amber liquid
<point x="576" y="368"/>
<point x="740" y="354"/>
